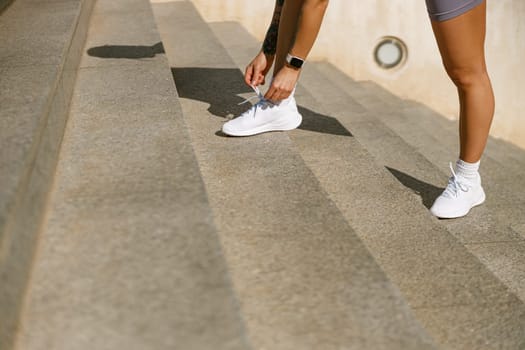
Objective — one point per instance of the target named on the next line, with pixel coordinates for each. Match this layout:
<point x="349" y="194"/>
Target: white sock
<point x="468" y="171"/>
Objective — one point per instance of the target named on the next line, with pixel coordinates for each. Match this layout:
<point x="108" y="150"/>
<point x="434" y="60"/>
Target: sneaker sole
<point x="462" y="214"/>
<point x="273" y="126"/>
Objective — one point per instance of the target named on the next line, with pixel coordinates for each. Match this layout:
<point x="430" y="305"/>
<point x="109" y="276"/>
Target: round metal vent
<point x="390" y="53"/>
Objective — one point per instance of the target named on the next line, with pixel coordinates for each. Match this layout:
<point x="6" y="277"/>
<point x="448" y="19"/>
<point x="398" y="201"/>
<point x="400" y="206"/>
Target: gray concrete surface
<point x="129" y="257"/>
<point x="304" y="278"/>
<point x="392" y="223"/>
<point x="39" y="53"/>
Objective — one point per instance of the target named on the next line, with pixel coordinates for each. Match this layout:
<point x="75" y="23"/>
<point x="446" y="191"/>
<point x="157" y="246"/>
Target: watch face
<point x="296" y="62"/>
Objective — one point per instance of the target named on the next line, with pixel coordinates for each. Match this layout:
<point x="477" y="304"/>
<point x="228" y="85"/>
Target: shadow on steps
<point x="126" y="51"/>
<point x="220" y="87"/>
<point x="426" y="191"/>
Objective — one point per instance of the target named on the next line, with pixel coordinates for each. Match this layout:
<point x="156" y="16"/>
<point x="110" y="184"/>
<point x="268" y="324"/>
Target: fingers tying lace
<point x="261" y="103"/>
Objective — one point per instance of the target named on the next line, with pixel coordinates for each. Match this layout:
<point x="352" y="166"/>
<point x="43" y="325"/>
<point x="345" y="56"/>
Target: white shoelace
<point x="261" y="103"/>
<point x="454" y="185"/>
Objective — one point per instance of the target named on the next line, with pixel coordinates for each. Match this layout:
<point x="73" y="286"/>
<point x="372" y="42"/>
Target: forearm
<point x="310" y="21"/>
<point x="270" y="41"/>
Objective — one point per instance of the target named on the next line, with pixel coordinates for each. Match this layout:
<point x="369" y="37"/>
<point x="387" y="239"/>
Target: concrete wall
<point x="352" y="29"/>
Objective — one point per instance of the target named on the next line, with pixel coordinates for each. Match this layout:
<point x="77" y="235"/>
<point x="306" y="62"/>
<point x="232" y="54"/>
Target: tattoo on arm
<point x="270" y="41"/>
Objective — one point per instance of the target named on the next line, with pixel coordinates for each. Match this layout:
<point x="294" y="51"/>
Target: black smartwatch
<point x="294" y="61"/>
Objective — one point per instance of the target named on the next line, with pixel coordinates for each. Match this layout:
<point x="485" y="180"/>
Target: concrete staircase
<point x="159" y="232"/>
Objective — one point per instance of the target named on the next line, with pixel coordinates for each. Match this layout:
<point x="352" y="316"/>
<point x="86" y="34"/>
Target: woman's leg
<point x="287" y="31"/>
<point x="300" y="24"/>
<point x="275" y="113"/>
<point x="461" y="42"/>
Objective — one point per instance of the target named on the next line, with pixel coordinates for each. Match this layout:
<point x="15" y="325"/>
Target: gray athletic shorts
<point x="441" y="10"/>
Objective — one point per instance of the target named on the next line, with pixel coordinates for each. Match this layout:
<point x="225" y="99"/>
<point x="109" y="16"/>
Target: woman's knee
<point x="467" y="77"/>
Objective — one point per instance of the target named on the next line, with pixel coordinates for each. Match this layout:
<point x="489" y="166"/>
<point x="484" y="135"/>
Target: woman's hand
<point x="283" y="84"/>
<point x="256" y="71"/>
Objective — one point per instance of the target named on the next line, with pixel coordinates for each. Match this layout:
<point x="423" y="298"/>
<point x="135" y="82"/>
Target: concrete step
<point x="493" y="232"/>
<point x="40" y="50"/>
<point x="441" y="280"/>
<point x="303" y="277"/>
<point x="129" y="255"/>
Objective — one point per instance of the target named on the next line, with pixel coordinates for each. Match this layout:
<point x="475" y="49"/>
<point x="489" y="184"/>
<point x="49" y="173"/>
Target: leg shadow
<point x="315" y="122"/>
<point x="217" y="87"/>
<point x="220" y="87"/>
<point x="426" y="191"/>
<point x="126" y="51"/>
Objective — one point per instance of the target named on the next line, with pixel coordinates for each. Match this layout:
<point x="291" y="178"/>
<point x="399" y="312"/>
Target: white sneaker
<point x="265" y="116"/>
<point x="458" y="198"/>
